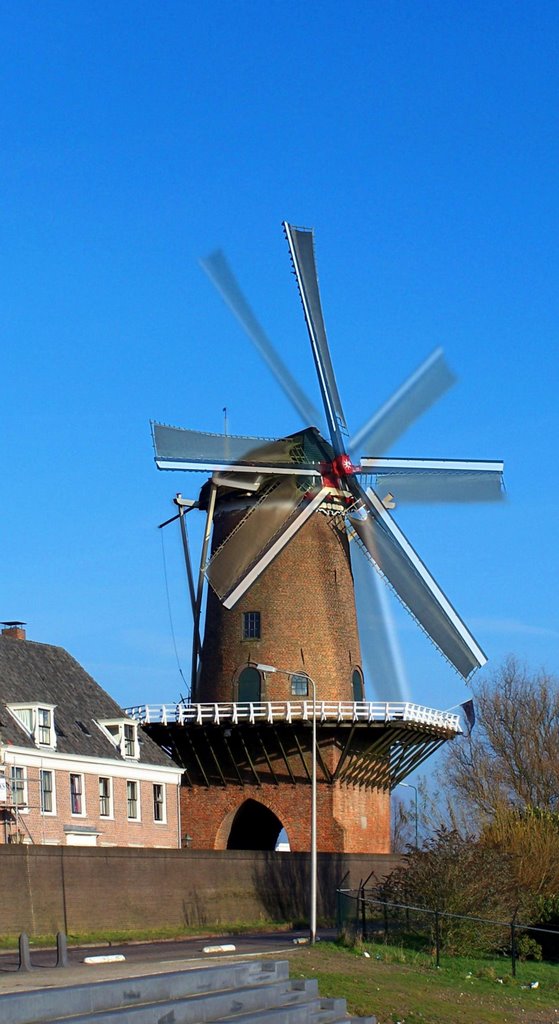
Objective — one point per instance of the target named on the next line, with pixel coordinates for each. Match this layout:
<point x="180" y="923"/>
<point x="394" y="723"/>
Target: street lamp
<point x="408" y="785"/>
<point x="285" y="672"/>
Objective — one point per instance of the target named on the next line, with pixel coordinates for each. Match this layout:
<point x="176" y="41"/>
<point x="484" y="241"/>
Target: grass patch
<point x="399" y="985"/>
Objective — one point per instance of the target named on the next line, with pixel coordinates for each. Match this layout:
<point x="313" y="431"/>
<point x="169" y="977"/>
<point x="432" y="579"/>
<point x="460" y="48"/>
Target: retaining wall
<point x="78" y="889"/>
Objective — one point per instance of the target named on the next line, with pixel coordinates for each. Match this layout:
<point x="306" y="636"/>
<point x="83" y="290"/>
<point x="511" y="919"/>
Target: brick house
<point x="74" y="768"/>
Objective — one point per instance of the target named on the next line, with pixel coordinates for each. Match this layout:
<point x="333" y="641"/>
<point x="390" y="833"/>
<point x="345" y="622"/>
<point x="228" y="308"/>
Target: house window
<point x="129" y="741"/>
<point x="104" y="797"/>
<point x="132" y="800"/>
<point x="158" y="802"/>
<point x="46" y="783"/>
<point x="18" y="783"/>
<point x="251" y="625"/>
<point x="299" y="686"/>
<point x="77" y="803"/>
<point x="45" y="726"/>
<point x="25" y="717"/>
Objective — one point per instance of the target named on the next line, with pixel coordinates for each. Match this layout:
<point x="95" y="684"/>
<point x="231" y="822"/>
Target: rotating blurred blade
<point x="301" y="247"/>
<point x="403" y="569"/>
<point x="420" y="391"/>
<point x="437" y="480"/>
<point x="260" y="537"/>
<point x="221" y="275"/>
<point x="176" y="448"/>
<point x="382" y="660"/>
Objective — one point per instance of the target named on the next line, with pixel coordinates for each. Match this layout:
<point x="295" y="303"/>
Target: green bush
<point x="528" y="949"/>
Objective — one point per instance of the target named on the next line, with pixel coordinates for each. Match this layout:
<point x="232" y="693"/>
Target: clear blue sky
<point x="421" y="142"/>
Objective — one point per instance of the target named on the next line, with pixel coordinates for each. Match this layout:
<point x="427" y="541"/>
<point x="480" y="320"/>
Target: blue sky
<point x="421" y="142"/>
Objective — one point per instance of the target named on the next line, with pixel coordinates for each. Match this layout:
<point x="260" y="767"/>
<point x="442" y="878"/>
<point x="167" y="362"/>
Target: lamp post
<point x="408" y="785"/>
<point x="312" y="915"/>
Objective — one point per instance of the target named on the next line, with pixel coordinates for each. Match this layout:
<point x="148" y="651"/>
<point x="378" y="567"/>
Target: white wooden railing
<point x="292" y="711"/>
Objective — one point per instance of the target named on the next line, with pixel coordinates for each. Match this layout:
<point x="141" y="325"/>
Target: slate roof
<point x="35" y="673"/>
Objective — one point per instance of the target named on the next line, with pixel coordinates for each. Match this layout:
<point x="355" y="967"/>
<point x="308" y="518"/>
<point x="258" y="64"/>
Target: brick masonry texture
<point x="33" y="826"/>
<point x="349" y="819"/>
<point x="308" y="625"/>
<point x="308" y="621"/>
<point x="46" y="889"/>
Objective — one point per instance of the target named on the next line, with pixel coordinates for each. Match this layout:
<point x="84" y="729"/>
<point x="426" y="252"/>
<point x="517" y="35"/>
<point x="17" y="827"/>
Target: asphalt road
<point x="141" y="958"/>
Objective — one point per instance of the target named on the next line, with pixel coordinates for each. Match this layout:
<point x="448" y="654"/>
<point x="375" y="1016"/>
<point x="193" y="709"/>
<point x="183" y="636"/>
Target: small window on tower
<point x="299" y="686"/>
<point x="251" y="625"/>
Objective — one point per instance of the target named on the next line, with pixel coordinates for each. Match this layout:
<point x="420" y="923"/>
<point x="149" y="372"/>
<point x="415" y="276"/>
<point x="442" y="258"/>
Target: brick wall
<point x="349" y="819"/>
<point x="308" y="621"/>
<point x="45" y="889"/>
<point x="38" y="828"/>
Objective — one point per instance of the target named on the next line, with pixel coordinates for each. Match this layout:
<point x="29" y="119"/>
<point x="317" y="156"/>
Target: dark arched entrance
<point x="254" y="827"/>
<point x="249" y="687"/>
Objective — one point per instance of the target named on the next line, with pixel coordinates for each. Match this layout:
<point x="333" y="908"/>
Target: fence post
<point x="357" y="909"/>
<point x="437" y="940"/>
<point x="513" y="944"/>
<point x="363" y="916"/>
<point x="24" y="954"/>
<point x="385" y="916"/>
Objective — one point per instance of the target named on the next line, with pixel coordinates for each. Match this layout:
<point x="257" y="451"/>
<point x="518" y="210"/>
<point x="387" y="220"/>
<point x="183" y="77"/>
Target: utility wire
<point x="171" y="614"/>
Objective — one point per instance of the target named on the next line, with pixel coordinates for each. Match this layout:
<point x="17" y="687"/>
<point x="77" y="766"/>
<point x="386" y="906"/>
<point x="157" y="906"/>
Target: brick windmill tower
<point x="280" y="660"/>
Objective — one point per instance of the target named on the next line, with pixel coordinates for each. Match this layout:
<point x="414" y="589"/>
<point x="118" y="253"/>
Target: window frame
<point x="252" y="625"/>
<point x="44" y="728"/>
<point x="82" y="813"/>
<point x="136" y="800"/>
<point x="161" y="803"/>
<point x="22" y="807"/>
<point x="108" y="797"/>
<point x="297" y="680"/>
<point x="43" y="772"/>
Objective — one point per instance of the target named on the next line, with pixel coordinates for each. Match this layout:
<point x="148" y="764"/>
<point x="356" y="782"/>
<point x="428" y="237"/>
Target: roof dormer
<point x="123" y="733"/>
<point x="38" y="722"/>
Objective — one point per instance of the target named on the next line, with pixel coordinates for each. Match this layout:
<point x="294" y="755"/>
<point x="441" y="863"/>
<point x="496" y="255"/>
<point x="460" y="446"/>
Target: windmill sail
<point x="417" y="394"/>
<point x="411" y="580"/>
<point x="260" y="536"/>
<point x="219" y="272"/>
<point x="436" y="480"/>
<point x="301" y="246"/>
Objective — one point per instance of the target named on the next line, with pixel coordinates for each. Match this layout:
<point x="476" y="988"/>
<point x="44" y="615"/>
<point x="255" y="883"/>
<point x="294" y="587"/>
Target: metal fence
<point x="361" y="914"/>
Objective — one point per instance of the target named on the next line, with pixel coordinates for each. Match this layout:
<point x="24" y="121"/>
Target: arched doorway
<point x="357" y="685"/>
<point x="249" y="686"/>
<point x="254" y="827"/>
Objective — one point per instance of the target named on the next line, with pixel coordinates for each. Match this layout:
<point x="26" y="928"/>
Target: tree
<point x="511" y="758"/>
<point x="459" y="876"/>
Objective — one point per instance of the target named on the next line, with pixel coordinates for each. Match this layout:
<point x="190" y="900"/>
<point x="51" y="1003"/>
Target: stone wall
<point x="77" y="889"/>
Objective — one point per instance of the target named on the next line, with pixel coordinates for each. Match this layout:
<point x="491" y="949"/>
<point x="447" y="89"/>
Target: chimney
<point x="14" y="629"/>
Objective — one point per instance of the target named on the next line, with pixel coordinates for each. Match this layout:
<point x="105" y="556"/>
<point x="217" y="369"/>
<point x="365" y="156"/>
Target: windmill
<point x="267" y="492"/>
<point x="280" y="618"/>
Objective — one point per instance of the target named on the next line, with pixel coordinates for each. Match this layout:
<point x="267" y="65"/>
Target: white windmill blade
<point x="301" y="247"/>
<point x="195" y="450"/>
<point x="403" y="569"/>
<point x="266" y="529"/>
<point x="220" y="274"/>
<point x="380" y="650"/>
<point x="417" y="394"/>
<point x="437" y="480"/>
